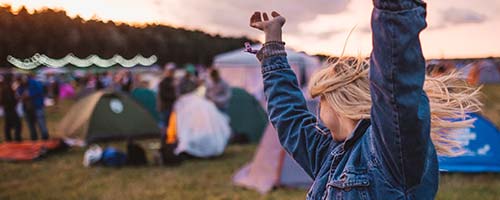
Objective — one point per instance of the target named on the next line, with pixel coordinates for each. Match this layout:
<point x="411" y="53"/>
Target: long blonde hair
<point x="344" y="85"/>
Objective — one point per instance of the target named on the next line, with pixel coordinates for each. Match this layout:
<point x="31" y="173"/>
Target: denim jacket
<point x="389" y="156"/>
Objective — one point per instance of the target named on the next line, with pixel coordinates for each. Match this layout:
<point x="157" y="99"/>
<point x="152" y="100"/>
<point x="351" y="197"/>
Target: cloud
<point x="462" y="16"/>
<point x="456" y="16"/>
<point x="232" y="16"/>
<point x="457" y="28"/>
<point x="365" y="29"/>
<point x="329" y="33"/>
<point x="355" y="17"/>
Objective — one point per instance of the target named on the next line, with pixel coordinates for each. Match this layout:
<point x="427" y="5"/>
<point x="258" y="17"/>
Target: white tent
<point x="202" y="130"/>
<point x="242" y="69"/>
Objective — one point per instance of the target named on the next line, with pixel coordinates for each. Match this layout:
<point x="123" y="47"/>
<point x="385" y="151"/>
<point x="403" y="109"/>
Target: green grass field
<point x="62" y="176"/>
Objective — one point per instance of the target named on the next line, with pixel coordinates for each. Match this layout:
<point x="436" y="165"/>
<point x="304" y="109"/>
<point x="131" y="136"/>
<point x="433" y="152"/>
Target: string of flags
<point x="70" y="59"/>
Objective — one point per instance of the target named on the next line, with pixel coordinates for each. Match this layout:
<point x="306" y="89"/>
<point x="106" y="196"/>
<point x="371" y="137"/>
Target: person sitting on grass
<point x="382" y="121"/>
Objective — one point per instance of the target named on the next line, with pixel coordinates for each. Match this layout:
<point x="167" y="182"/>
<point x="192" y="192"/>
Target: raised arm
<point x="400" y="109"/>
<point x="298" y="129"/>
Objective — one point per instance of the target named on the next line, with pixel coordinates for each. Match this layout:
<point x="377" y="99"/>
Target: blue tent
<point x="482" y="145"/>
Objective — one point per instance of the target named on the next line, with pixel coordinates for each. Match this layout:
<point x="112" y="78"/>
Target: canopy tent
<point x="247" y="116"/>
<point x="482" y="145"/>
<point x="107" y="115"/>
<point x="242" y="69"/>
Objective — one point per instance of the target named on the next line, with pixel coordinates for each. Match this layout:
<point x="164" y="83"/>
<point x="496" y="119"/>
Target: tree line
<point x="52" y="32"/>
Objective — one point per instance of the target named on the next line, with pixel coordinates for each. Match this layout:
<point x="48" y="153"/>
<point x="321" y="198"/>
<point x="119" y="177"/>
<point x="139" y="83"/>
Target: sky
<point x="456" y="28"/>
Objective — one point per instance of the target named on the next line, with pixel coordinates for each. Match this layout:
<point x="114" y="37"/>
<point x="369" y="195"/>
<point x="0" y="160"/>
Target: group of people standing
<point x="119" y="81"/>
<point x="28" y="91"/>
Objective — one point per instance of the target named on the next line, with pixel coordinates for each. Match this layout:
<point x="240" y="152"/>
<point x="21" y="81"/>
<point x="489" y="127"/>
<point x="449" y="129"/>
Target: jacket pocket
<point x="350" y="185"/>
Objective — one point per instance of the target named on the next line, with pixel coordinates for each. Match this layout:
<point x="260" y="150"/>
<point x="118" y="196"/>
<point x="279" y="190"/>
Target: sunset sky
<point x="457" y="28"/>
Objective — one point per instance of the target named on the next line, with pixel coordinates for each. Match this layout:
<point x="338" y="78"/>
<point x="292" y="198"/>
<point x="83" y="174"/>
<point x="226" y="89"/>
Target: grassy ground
<point x="62" y="176"/>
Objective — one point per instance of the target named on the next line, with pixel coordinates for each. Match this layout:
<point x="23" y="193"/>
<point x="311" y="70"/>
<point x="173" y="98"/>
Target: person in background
<point x="107" y="79"/>
<point x="9" y="102"/>
<point x="218" y="91"/>
<point x="127" y="82"/>
<point x="166" y="95"/>
<point x="116" y="81"/>
<point x="81" y="80"/>
<point x="32" y="96"/>
<point x="136" y="156"/>
<point x="91" y="81"/>
<point x="99" y="83"/>
<point x="53" y="84"/>
<point x="189" y="82"/>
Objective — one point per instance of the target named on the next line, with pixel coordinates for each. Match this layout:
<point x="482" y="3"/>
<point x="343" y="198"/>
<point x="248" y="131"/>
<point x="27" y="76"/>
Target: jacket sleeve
<point x="287" y="109"/>
<point x="400" y="110"/>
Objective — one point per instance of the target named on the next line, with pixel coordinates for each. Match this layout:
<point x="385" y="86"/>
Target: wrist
<point x="274" y="35"/>
<point x="270" y="49"/>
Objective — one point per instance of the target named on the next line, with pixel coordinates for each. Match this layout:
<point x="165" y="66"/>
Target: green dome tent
<point x="247" y="115"/>
<point x="147" y="99"/>
<point x="106" y="115"/>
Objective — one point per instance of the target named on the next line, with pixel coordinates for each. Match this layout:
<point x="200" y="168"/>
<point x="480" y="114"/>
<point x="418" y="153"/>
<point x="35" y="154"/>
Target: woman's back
<point x="354" y="170"/>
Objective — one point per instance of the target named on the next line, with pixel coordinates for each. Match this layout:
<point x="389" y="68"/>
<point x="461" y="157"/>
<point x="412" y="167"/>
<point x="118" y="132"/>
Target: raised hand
<point x="270" y="27"/>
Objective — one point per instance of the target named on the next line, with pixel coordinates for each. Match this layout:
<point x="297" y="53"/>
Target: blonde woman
<point x="383" y="121"/>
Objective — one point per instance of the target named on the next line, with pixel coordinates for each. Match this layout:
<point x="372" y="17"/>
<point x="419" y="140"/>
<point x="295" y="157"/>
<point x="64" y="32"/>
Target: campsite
<point x="252" y="166"/>
<point x="237" y="99"/>
<point x="62" y="175"/>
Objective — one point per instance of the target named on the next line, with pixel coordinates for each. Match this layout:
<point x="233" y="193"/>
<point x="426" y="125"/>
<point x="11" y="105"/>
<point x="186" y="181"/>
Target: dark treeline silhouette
<point x="53" y="33"/>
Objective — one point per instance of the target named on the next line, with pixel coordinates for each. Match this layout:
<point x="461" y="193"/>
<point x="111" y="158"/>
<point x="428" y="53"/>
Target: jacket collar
<point x="358" y="132"/>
